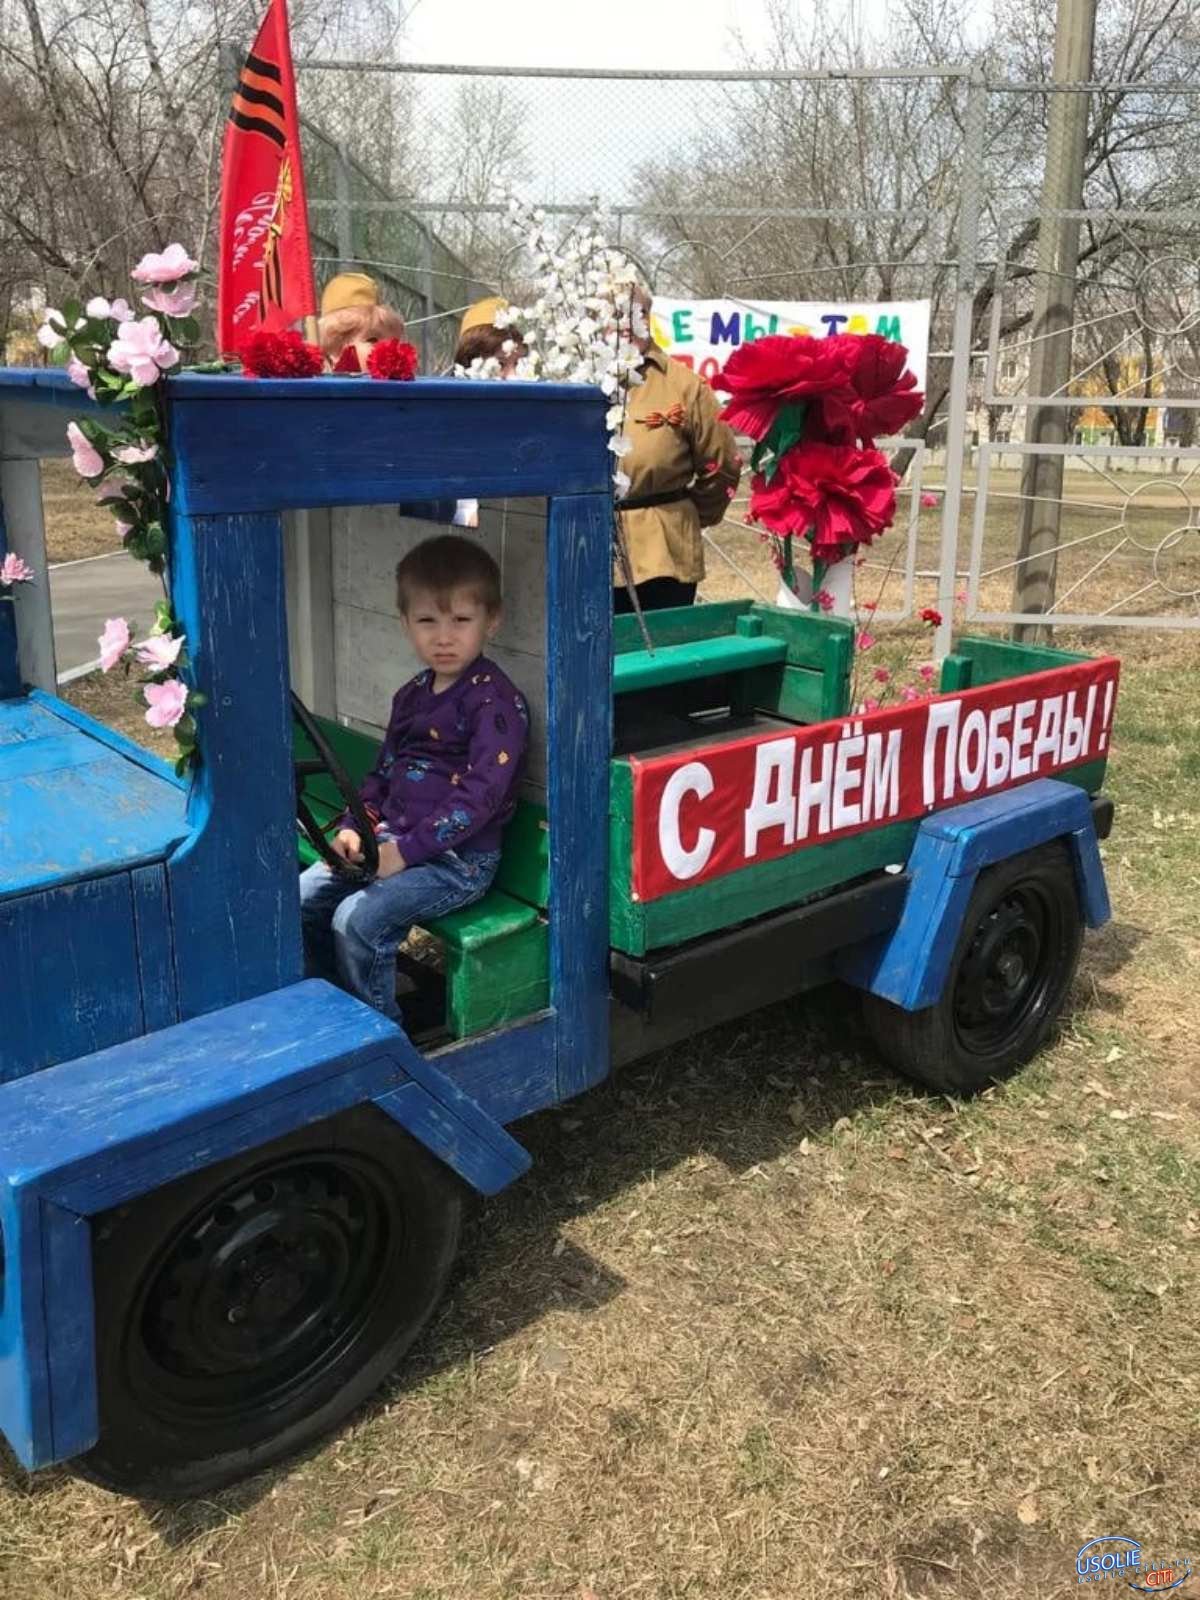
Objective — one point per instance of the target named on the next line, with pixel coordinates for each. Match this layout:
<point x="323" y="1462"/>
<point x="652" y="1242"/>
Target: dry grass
<point x="766" y="1324"/>
<point x="75" y="525"/>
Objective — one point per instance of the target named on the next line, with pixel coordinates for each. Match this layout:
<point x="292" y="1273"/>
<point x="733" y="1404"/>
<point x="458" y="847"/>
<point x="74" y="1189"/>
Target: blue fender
<point x="82" y="1137"/>
<point x="909" y="965"/>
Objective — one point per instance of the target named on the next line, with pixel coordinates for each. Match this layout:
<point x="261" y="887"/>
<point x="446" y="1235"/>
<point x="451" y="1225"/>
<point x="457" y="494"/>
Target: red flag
<point x="265" y="277"/>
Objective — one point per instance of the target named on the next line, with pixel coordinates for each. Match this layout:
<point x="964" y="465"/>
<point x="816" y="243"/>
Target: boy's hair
<point x="442" y="565"/>
<point x="484" y="342"/>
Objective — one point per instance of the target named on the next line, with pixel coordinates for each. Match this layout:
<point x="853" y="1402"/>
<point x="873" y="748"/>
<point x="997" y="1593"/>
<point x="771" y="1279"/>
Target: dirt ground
<point x="767" y="1323"/>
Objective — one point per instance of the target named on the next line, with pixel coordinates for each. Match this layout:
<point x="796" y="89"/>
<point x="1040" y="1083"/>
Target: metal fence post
<point x="960" y="370"/>
<point x="345" y="217"/>
<point x="427" y="328"/>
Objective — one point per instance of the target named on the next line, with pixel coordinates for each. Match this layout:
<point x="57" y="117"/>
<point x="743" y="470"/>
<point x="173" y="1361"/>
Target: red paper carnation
<point x="280" y="355"/>
<point x="838" y="495"/>
<point x="766" y="374"/>
<point x="347" y="363"/>
<point x="392" y="358"/>
<point x="884" y="399"/>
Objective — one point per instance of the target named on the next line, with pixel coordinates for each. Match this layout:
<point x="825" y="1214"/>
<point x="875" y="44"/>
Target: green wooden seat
<point x="703" y="658"/>
<point x="497" y="950"/>
<point x="793" y="664"/>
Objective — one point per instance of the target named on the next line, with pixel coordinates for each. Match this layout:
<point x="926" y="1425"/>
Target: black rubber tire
<point x="1008" y="979"/>
<point x="333" y="1245"/>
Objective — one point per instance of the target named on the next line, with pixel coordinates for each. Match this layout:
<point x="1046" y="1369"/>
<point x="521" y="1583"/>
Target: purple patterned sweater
<point x="449" y="764"/>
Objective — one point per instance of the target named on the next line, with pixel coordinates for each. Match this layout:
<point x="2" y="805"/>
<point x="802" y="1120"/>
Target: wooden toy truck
<point x="230" y="1196"/>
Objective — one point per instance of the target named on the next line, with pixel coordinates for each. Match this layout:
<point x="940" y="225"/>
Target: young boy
<point x="443" y="787"/>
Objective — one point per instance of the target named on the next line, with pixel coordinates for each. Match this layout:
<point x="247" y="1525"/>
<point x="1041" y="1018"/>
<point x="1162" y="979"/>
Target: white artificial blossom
<point x="583" y="324"/>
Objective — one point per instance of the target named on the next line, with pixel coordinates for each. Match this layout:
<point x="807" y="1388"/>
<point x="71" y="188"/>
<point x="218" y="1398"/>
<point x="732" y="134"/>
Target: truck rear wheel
<point x="246" y="1310"/>
<point x="1008" y="979"/>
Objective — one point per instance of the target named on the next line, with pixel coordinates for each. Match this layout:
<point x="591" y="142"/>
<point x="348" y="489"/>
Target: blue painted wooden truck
<point x="229" y="1196"/>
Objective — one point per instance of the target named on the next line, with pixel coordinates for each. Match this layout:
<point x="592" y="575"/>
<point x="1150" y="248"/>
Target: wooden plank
<point x="794" y="693"/>
<point x="69" y="975"/>
<point x="234" y="442"/>
<point x="483" y="924"/>
<point x="21" y="497"/>
<point x="836" y="659"/>
<point x="504" y="981"/>
<point x="101" y="733"/>
<point x="155" y="948"/>
<point x="956" y="674"/>
<point x="25" y="1417"/>
<point x="993" y="660"/>
<point x="679" y="625"/>
<point x="308" y="568"/>
<point x="805" y="634"/>
<point x="10" y="667"/>
<point x="509" y="1074"/>
<point x="579" y="607"/>
<point x="234" y="889"/>
<point x="702" y="658"/>
<point x="56" y="1125"/>
<point x="66" y="1240"/>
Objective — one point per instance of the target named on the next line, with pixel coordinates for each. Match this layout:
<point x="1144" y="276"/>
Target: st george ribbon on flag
<point x="265" y="276"/>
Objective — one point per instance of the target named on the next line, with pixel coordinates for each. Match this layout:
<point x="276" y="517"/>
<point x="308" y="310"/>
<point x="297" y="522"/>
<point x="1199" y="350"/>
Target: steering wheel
<point x="326" y="761"/>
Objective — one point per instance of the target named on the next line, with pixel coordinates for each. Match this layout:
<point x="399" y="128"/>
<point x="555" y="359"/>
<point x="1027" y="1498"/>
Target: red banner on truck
<point x="705" y="812"/>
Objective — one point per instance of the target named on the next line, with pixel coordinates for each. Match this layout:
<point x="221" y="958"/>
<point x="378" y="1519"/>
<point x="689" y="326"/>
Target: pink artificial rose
<point x="177" y="302"/>
<point x="172" y="264"/>
<point x="114" y="642"/>
<point x="865" y="641"/>
<point x="925" y="673"/>
<point x="870" y="705"/>
<point x="50" y="334"/>
<point x="114" y="489"/>
<point x="131" y="454"/>
<point x="80" y="376"/>
<point x="140" y="351"/>
<point x="121" y="311"/>
<point x="824" y="599"/>
<point x="159" y="652"/>
<point x="166" y="702"/>
<point x="14" y="569"/>
<point x="930" y="501"/>
<point x="909" y="694"/>
<point x="85" y="458"/>
<point x="123" y="528"/>
<point x="882" y="675"/>
<point x="97" y="307"/>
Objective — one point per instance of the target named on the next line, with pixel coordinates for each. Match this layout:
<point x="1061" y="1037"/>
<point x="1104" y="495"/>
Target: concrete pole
<point x="1054" y="313"/>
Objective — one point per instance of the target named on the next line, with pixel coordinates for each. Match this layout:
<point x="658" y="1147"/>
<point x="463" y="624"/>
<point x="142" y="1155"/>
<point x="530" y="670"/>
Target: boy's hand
<point x="347" y="844"/>
<point x="390" y="860"/>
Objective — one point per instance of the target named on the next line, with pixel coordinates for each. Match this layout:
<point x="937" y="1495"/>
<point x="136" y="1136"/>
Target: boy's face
<point x="448" y="638"/>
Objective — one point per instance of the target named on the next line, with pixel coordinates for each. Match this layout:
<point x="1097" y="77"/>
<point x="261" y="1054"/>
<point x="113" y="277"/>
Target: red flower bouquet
<point x="280" y="355"/>
<point x="837" y="495"/>
<point x="885" y="396"/>
<point x="766" y="374"/>
<point x="392" y="358"/>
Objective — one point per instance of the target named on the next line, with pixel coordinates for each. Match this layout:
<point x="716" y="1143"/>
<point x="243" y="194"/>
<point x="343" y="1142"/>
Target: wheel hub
<point x="264" y="1287"/>
<point x="1003" y="974"/>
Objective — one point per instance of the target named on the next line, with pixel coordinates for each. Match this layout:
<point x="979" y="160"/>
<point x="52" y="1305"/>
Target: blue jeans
<point x="352" y="931"/>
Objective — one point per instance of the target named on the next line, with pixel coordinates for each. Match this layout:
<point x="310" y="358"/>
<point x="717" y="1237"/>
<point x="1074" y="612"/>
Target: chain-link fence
<point x="1053" y="229"/>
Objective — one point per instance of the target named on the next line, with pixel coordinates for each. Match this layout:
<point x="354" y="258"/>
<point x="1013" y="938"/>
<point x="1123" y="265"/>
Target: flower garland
<point x="814" y="408"/>
<point x="14" y="569"/>
<point x="119" y="358"/>
<point x="584" y="324"/>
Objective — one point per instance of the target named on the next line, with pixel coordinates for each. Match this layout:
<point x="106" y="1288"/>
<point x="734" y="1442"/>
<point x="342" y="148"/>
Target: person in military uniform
<point x="684" y="469"/>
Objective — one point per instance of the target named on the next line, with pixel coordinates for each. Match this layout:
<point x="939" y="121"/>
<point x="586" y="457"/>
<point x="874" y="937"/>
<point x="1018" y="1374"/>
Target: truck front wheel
<point x="1007" y="982"/>
<point x="246" y="1310"/>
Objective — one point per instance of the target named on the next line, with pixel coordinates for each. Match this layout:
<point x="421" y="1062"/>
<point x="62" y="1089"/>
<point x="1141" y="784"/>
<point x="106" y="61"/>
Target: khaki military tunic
<point x="679" y="442"/>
